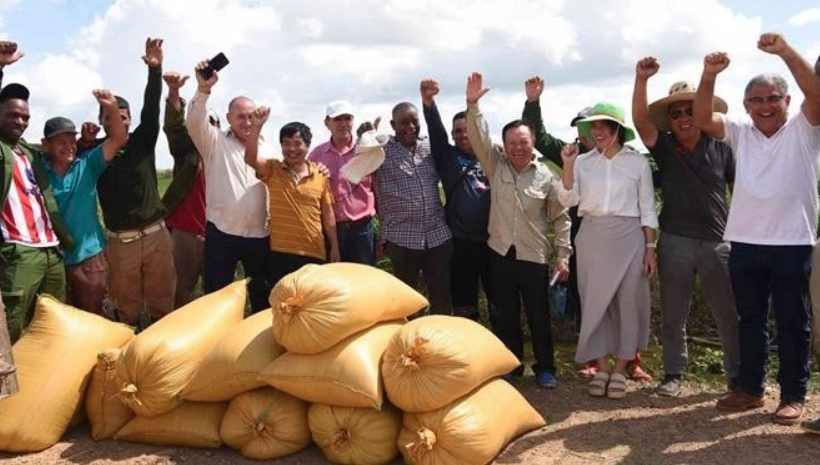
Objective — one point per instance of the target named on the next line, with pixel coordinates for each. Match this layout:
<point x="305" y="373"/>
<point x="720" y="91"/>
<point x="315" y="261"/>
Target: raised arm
<point x="202" y="133"/>
<point x="646" y="68"/>
<point x="550" y="147"/>
<point x="477" y="131"/>
<point x="439" y="140"/>
<point x="117" y="134"/>
<point x="708" y="121"/>
<point x="252" y="158"/>
<point x="800" y="68"/>
<point x="179" y="142"/>
<point x="148" y="128"/>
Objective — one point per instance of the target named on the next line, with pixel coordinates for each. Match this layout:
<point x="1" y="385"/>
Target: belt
<point x="131" y="236"/>
<point x="354" y="223"/>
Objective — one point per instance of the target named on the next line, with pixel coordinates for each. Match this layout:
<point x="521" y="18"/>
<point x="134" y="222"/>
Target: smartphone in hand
<point x="215" y="64"/>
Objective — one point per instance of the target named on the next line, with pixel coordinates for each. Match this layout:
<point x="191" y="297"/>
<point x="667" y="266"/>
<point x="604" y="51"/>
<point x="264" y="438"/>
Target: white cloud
<point x="298" y="55"/>
<point x="812" y="15"/>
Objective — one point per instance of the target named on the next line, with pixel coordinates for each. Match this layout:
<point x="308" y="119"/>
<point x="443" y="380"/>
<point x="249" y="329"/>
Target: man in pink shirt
<point x="354" y="204"/>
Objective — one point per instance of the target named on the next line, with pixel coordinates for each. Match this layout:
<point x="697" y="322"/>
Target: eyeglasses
<point x="677" y="114"/>
<point x="768" y="99"/>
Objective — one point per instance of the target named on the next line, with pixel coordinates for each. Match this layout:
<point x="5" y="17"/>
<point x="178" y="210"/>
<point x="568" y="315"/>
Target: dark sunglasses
<point x="677" y="114"/>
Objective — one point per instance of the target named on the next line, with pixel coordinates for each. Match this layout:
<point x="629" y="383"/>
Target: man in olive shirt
<point x="139" y="250"/>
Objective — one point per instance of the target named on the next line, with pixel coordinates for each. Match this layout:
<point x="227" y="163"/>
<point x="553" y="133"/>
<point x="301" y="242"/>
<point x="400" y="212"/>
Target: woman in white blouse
<point x="615" y="247"/>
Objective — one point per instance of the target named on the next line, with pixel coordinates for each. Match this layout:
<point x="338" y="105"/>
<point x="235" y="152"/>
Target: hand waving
<point x="569" y="154"/>
<point x="153" y="52"/>
<point x="368" y="126"/>
<point x="475" y="88"/>
<point x="106" y="100"/>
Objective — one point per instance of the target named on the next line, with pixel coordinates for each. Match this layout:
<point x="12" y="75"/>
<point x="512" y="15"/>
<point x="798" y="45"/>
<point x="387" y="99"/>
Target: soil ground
<point x="641" y="429"/>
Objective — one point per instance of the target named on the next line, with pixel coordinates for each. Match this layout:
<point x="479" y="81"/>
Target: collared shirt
<point x="524" y="204"/>
<point x="235" y="200"/>
<point x="617" y="186"/>
<point x="296" y="209"/>
<point x="351" y="201"/>
<point x="774" y="201"/>
<point x="24" y="217"/>
<point x="76" y="196"/>
<point x="408" y="200"/>
<point x="694" y="186"/>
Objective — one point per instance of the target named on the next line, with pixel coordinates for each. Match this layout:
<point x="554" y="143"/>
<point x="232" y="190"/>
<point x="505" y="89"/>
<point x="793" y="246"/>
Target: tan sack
<point x="470" y="431"/>
<point x="54" y="359"/>
<point x="192" y="424"/>
<point x="266" y="424"/>
<point x="319" y="305"/>
<point x="233" y="365"/>
<point x="158" y="363"/>
<point x="434" y="360"/>
<point x="355" y="436"/>
<point x="105" y="411"/>
<point x="346" y="375"/>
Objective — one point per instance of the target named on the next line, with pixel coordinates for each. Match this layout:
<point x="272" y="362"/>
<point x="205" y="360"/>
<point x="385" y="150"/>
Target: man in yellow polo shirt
<point x="301" y="202"/>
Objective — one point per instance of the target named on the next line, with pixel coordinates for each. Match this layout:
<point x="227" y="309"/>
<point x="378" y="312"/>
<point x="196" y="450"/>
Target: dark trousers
<point x="223" y="251"/>
<point x="356" y="242"/>
<point x="515" y="280"/>
<point x="780" y="273"/>
<point x="469" y="265"/>
<point x="434" y="264"/>
<point x="573" y="296"/>
<point x="283" y="264"/>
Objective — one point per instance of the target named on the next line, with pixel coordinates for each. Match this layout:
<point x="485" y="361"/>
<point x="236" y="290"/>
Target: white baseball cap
<point x="338" y="108"/>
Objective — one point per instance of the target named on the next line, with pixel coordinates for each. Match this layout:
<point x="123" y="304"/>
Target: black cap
<point x="585" y="113"/>
<point x="14" y="91"/>
<point x="58" y="125"/>
<point x="121" y="103"/>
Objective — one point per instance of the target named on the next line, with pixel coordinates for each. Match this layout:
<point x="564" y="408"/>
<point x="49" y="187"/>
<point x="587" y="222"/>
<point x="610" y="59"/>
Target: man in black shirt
<point x="139" y="249"/>
<point x="695" y="173"/>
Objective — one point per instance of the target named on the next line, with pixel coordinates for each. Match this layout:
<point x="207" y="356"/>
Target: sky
<point x="297" y="55"/>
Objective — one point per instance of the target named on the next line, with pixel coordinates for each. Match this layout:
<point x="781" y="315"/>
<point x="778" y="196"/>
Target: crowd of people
<point x="510" y="223"/>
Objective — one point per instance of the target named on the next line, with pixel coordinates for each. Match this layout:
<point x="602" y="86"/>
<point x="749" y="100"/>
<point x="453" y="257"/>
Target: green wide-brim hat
<point x="605" y="111"/>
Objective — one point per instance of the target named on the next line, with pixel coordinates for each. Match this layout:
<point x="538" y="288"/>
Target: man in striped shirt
<point x="29" y="242"/>
<point x="301" y="202"/>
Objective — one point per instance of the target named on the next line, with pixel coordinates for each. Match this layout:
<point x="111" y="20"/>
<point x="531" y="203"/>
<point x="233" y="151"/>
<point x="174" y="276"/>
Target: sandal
<point x="588" y="372"/>
<point x="639" y="375"/>
<point x="617" y="386"/>
<point x="598" y="386"/>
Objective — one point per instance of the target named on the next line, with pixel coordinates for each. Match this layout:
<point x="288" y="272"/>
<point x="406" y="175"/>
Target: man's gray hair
<point x="767" y="78"/>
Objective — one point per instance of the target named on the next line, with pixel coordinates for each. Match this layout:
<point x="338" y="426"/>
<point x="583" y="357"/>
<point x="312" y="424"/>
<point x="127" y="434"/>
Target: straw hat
<point x="605" y="111"/>
<point x="683" y="91"/>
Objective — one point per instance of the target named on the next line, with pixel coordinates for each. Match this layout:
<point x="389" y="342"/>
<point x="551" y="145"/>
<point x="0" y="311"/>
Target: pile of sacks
<point x="333" y="362"/>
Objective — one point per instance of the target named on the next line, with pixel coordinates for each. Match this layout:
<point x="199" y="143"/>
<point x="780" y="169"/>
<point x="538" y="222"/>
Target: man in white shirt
<point x="236" y="201"/>
<point x="772" y="221"/>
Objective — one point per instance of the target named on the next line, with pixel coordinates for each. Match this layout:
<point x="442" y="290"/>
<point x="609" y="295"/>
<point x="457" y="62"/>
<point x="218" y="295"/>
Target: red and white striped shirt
<point x="25" y="219"/>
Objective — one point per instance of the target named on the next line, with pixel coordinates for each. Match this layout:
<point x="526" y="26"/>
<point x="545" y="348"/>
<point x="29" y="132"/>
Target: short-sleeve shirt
<point x="774" y="201"/>
<point x="296" y="209"/>
<point x="694" y="186"/>
<point x="76" y="196"/>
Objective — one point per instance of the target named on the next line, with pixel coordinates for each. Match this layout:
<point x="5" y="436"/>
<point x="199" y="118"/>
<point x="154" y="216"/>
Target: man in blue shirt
<point x="74" y="182"/>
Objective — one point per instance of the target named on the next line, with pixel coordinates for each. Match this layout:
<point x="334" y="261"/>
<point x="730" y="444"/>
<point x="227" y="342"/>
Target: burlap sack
<point x="192" y="424"/>
<point x="434" y="360"/>
<point x="158" y="363"/>
<point x="105" y="411"/>
<point x="266" y="424"/>
<point x="233" y="365"/>
<point x="317" y="306"/>
<point x="470" y="431"/>
<point x="346" y="375"/>
<point x="54" y="359"/>
<point x="355" y="436"/>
